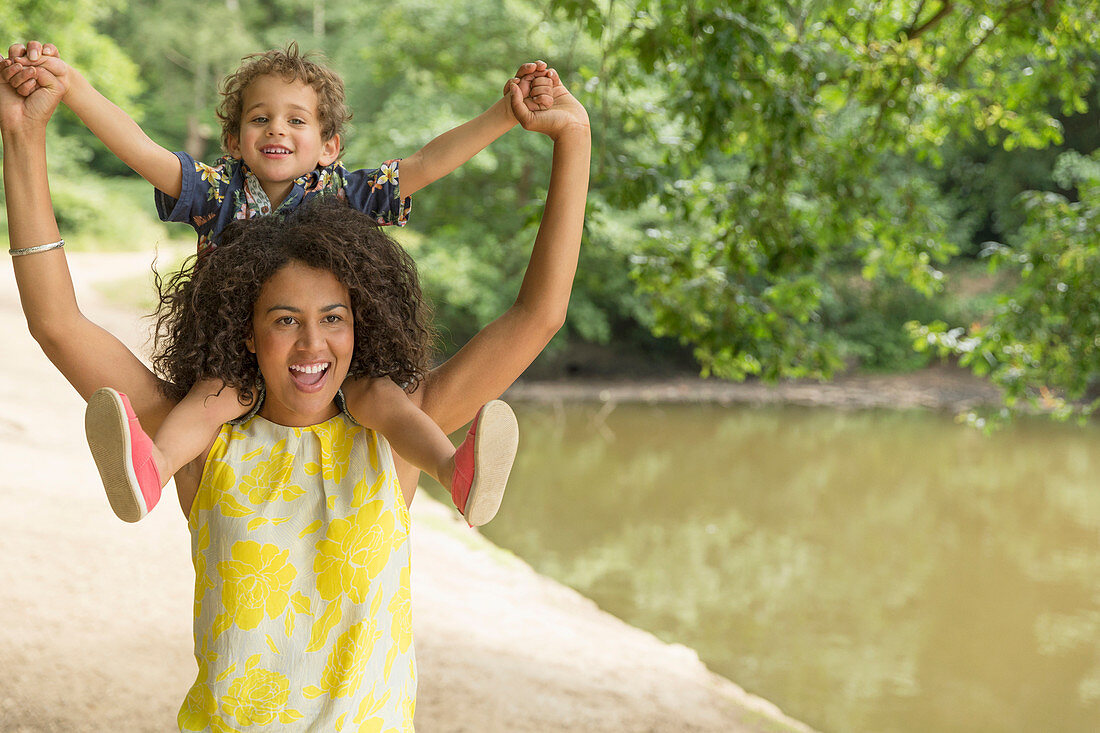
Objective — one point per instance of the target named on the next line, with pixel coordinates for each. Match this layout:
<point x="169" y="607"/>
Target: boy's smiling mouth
<point x="274" y="150"/>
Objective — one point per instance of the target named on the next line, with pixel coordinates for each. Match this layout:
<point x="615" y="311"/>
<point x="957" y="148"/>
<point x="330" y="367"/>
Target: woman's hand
<point x="23" y="113"/>
<point x="565" y="113"/>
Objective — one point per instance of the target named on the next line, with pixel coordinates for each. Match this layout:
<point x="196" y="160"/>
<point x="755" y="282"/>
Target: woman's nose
<point x="309" y="337"/>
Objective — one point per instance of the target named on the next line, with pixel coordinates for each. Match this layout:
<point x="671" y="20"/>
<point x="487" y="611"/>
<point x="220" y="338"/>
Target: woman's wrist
<point x="575" y="132"/>
<point x="26" y="136"/>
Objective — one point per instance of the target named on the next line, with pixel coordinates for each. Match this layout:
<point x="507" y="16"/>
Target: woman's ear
<point x="249" y="343"/>
<point x="330" y="151"/>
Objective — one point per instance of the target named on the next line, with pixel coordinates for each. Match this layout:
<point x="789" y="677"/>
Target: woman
<point x="270" y="651"/>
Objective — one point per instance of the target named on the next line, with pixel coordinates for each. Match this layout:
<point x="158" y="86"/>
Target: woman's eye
<point x="333" y="319"/>
<point x="286" y="321"/>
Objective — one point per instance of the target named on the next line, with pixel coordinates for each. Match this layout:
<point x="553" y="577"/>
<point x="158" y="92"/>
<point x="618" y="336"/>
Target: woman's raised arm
<point x="87" y="355"/>
<point x="486" y="366"/>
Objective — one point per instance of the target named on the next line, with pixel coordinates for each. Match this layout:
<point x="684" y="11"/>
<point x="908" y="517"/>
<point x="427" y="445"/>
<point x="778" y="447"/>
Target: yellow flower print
<point x="400" y="608"/>
<point x="386" y="174"/>
<point x="349" y="656"/>
<point x="354" y="551"/>
<point x="211" y="175"/>
<point x="270" y="479"/>
<point x="198" y="707"/>
<point x="217" y="476"/>
<point x="199" y="704"/>
<point x="202" y="580"/>
<point x="254" y="582"/>
<point x="336" y="440"/>
<point x="259" y="697"/>
<point x="368" y="718"/>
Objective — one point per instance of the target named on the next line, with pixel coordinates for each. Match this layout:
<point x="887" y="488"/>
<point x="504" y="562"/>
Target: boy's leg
<point x="192" y="425"/>
<point x="476" y="474"/>
<point x="133" y="467"/>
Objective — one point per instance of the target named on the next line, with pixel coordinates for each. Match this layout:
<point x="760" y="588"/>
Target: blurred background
<point x="780" y="190"/>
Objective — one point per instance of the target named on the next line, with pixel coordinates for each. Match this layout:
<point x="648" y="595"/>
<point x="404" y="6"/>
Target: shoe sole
<point x="108" y="432"/>
<point x="495" y="444"/>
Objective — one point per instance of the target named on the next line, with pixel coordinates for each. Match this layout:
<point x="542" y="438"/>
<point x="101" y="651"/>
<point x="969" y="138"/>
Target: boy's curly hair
<point x="205" y="311"/>
<point x="292" y="66"/>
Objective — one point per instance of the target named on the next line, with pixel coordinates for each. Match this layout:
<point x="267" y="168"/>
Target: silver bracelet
<point x="39" y="248"/>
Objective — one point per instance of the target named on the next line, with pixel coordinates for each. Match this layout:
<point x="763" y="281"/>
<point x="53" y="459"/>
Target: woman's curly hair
<point x="205" y="311"/>
<point x="291" y="65"/>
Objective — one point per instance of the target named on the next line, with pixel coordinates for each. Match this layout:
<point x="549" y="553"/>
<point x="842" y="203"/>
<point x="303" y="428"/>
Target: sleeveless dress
<point x="303" y="619"/>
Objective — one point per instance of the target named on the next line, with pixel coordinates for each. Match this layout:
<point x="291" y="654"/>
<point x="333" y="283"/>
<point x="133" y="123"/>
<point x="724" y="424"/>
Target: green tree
<point x="803" y="137"/>
<point x="1042" y="345"/>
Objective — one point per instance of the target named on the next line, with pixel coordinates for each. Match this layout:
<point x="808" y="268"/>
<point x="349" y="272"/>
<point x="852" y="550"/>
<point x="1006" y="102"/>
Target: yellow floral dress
<point x="299" y="538"/>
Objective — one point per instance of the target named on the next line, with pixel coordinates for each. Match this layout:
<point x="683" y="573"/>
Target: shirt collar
<point x="259" y="198"/>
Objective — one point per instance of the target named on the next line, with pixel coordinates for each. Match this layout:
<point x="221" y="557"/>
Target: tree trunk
<point x="197" y="137"/>
<point x="319" y="19"/>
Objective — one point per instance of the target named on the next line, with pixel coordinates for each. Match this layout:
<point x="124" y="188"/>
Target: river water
<point x="865" y="570"/>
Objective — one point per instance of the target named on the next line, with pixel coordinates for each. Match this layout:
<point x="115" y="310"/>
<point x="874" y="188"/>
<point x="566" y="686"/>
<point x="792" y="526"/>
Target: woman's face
<point x="303" y="337"/>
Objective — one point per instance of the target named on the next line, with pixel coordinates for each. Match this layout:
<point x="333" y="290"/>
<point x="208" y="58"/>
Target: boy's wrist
<point x="76" y="86"/>
<point x="502" y="108"/>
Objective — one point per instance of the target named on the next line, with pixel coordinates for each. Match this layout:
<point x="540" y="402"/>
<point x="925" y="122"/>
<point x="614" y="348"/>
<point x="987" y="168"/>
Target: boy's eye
<point x="260" y="119"/>
<point x="297" y="121"/>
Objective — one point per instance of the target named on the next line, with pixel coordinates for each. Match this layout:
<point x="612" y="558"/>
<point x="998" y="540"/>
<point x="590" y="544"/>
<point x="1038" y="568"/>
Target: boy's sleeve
<point x="202" y="191"/>
<point x="377" y="193"/>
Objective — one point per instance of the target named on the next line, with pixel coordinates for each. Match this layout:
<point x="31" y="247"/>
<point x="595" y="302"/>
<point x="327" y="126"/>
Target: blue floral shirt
<point x="212" y="196"/>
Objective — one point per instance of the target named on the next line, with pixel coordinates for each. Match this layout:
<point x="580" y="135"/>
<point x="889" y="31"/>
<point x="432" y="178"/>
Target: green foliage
<point x="777" y="186"/>
<point x="783" y="122"/>
<point x="1041" y="344"/>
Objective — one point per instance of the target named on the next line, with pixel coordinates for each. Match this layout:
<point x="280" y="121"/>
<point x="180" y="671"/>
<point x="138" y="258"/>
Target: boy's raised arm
<point x="105" y="119"/>
<point x="454" y="147"/>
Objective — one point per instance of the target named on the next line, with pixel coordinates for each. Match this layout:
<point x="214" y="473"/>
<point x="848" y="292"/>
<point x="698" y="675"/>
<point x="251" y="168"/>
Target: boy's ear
<point x="234" y="145"/>
<point x="330" y="151"/>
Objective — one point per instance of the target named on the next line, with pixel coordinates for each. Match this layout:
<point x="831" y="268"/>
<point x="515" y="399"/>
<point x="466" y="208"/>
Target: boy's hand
<point x="534" y="84"/>
<point x="18" y="69"/>
<point x="563" y="113"/>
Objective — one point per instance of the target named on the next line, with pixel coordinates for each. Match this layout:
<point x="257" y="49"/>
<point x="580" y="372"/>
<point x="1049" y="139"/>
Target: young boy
<point x="282" y="115"/>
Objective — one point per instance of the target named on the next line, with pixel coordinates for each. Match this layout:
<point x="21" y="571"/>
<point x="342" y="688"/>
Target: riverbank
<point x="95" y="622"/>
<point x="938" y="387"/>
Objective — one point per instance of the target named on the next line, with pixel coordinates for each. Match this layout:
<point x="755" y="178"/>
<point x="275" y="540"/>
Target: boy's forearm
<point x="454" y="147"/>
<point x="123" y="136"/>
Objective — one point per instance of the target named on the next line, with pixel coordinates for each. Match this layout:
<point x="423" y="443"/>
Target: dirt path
<point x="95" y="615"/>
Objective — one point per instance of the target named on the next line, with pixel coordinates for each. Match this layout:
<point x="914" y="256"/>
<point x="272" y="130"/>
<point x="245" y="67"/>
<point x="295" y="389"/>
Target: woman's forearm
<point x="500" y="352"/>
<point x="544" y="294"/>
<point x="27" y="190"/>
<point x="88" y="356"/>
<point x="45" y="288"/>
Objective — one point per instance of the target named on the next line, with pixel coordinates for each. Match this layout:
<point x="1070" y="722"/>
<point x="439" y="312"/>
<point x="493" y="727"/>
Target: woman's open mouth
<point x="309" y="377"/>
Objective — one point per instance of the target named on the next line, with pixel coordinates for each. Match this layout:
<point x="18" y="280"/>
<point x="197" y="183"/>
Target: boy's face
<point x="280" y="137"/>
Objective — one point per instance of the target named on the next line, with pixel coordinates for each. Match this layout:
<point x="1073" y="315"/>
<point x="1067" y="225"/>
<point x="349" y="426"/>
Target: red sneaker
<point x="483" y="461"/>
<point x="123" y="454"/>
